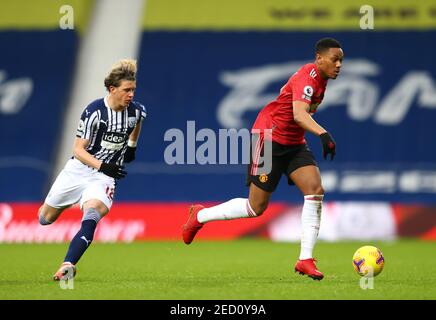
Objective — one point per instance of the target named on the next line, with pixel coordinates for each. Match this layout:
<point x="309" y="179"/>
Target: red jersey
<point x="305" y="85"/>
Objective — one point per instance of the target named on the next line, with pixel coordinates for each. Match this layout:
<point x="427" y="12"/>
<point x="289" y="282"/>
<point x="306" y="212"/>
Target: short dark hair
<point x="325" y="44"/>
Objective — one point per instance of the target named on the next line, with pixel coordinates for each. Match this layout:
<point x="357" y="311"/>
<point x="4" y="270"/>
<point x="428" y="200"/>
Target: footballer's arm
<point x="80" y="153"/>
<point x="134" y="135"/>
<point x="303" y="118"/>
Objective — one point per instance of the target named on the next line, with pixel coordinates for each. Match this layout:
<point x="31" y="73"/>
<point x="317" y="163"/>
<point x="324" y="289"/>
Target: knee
<point x="259" y="207"/>
<point x="96" y="206"/>
<point x="43" y="216"/>
<point x="102" y="210"/>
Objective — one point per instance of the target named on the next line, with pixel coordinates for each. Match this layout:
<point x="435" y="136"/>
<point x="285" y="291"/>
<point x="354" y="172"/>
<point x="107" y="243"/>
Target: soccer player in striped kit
<point x="106" y="138"/>
<point x="286" y="119"/>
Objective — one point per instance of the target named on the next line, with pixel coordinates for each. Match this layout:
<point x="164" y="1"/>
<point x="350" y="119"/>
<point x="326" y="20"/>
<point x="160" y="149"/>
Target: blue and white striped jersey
<point x="108" y="131"/>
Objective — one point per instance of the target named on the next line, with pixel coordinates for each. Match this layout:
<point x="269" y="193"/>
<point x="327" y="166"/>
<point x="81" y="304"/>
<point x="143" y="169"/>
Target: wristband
<point x="131" y="143"/>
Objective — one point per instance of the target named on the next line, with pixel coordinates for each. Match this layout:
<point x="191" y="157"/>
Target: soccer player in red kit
<point x="287" y="119"/>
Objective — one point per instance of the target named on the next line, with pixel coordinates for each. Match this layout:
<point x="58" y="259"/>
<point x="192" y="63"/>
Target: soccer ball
<point x="368" y="261"/>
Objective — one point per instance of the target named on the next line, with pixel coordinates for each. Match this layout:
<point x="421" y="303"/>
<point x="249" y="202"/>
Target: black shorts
<point x="285" y="159"/>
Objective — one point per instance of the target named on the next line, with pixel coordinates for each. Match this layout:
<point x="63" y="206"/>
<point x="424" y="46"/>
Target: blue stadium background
<point x="180" y="79"/>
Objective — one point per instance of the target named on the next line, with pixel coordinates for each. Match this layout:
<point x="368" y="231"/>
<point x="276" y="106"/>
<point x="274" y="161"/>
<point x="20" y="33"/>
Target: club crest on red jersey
<point x="263" y="178"/>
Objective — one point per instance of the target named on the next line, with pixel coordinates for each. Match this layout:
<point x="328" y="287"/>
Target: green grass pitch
<point x="221" y="270"/>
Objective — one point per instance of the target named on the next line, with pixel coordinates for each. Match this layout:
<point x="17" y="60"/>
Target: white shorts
<point x="79" y="183"/>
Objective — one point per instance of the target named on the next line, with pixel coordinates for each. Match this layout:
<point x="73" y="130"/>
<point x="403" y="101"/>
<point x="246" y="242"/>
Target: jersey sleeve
<point x="303" y="88"/>
<point x="141" y="111"/>
<point x="87" y="124"/>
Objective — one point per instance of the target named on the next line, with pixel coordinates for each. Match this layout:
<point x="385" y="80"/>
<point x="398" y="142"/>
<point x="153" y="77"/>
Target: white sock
<point x="310" y="222"/>
<point x="232" y="209"/>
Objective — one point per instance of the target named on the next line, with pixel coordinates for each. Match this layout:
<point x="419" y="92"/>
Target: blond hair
<point x="122" y="70"/>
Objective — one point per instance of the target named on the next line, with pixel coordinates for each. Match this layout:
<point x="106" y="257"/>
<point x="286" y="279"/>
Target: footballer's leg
<point x="236" y="208"/>
<point x="48" y="214"/>
<point x="261" y="184"/>
<point x="93" y="211"/>
<point x="308" y="180"/>
<point x="65" y="191"/>
<point x="95" y="202"/>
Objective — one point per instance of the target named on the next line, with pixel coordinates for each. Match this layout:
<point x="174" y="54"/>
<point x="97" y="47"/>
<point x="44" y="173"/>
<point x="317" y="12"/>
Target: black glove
<point x="328" y="145"/>
<point x="129" y="156"/>
<point x="113" y="170"/>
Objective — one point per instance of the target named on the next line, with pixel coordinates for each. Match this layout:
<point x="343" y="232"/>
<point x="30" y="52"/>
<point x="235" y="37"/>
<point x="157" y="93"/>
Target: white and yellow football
<point x="368" y="261"/>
